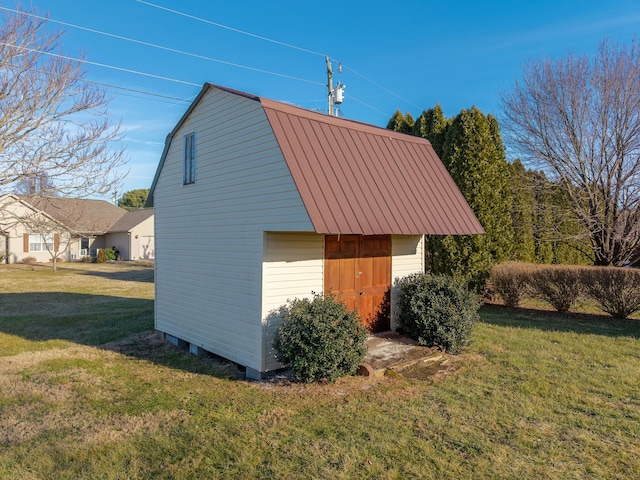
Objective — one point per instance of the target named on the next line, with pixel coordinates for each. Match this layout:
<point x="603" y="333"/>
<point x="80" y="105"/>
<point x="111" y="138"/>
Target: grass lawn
<point x="87" y="391"/>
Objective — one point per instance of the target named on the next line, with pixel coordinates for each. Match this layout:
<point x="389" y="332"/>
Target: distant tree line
<point x="526" y="216"/>
<point x="577" y="119"/>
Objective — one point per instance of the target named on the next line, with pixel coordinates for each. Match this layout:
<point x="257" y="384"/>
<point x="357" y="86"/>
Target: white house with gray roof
<point x="133" y="235"/>
<point x="33" y="227"/>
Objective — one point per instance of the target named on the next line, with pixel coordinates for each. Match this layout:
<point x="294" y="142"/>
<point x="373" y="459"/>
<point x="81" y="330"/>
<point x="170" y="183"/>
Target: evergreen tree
<point x="522" y="213"/>
<point x="432" y="125"/>
<point x="559" y="237"/>
<point x="133" y="199"/>
<point x="401" y="123"/>
<point x="542" y="217"/>
<point x="571" y="245"/>
<point x="474" y="156"/>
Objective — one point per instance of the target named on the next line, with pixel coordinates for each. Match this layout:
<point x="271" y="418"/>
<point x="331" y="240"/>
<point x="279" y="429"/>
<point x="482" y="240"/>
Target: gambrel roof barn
<point x="257" y="202"/>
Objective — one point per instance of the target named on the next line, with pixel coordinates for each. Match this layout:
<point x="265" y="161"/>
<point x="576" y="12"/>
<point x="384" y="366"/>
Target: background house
<point x="132" y="235"/>
<point x="257" y="202"/>
<point x="35" y="226"/>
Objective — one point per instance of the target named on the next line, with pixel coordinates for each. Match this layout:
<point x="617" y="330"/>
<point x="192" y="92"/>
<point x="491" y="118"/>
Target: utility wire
<point x="381" y="87"/>
<point x="351" y="97"/>
<point x="202" y="57"/>
<point x="136" y="72"/>
<point x="161" y="47"/>
<point x="204" y="20"/>
<point x="109" y="85"/>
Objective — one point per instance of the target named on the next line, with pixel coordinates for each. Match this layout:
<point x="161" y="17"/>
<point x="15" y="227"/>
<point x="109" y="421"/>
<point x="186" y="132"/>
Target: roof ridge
<point x="337" y="121"/>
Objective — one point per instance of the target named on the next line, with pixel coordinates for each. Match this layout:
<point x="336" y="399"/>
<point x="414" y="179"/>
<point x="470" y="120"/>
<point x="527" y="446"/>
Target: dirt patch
<point x="430" y="370"/>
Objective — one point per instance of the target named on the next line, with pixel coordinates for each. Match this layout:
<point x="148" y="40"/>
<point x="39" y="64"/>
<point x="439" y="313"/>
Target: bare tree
<point x="52" y="121"/>
<point x="42" y="231"/>
<point x="54" y="237"/>
<point x="38" y="184"/>
<point x="578" y="119"/>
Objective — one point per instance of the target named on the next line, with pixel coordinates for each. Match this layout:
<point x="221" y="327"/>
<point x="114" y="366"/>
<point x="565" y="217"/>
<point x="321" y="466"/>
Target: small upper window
<point x="190" y="158"/>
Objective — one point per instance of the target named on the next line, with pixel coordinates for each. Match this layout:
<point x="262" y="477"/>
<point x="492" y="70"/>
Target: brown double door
<point x="359" y="267"/>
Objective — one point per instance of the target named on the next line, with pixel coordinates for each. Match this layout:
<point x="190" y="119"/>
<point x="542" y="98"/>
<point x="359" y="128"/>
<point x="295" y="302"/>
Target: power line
<point x="104" y="65"/>
<point x="204" y="20"/>
<point x="220" y="25"/>
<point x="367" y="105"/>
<point x="194" y="55"/>
<point x="161" y="47"/>
<point x="381" y="87"/>
<point x="118" y="87"/>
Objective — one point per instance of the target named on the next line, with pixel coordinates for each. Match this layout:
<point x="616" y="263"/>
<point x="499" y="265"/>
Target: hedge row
<point x="615" y="290"/>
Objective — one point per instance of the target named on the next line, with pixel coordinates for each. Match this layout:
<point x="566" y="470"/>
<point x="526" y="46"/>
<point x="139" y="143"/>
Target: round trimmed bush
<point x="320" y="339"/>
<point x="511" y="280"/>
<point x="559" y="285"/>
<point x="437" y="310"/>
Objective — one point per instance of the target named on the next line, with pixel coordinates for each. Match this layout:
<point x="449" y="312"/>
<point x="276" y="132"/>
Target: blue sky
<point x="406" y="55"/>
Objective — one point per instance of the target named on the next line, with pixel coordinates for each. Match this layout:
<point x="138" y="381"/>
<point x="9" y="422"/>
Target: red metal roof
<point x="355" y="178"/>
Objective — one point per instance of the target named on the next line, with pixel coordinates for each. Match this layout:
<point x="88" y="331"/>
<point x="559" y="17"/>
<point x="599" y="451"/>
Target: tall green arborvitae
<point x="432" y="125"/>
<point x="558" y="235"/>
<point x="571" y="245"/>
<point x="401" y="123"/>
<point x="471" y="149"/>
<point x="543" y="223"/>
<point x="522" y="213"/>
<point x="526" y="216"/>
<point x="474" y="156"/>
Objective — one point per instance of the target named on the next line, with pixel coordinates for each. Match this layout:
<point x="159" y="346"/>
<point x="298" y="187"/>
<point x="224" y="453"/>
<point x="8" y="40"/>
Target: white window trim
<point x="38" y="242"/>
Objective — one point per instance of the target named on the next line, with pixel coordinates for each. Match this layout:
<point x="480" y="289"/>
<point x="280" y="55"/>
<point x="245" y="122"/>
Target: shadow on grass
<point x="136" y="271"/>
<point x="583" y="323"/>
<point x="124" y="325"/>
<point x="140" y="272"/>
<point x="79" y="318"/>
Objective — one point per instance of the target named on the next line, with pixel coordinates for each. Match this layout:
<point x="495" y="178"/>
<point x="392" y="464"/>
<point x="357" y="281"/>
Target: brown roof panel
<point x="130" y="220"/>
<point x="80" y="215"/>
<point x="355" y="178"/>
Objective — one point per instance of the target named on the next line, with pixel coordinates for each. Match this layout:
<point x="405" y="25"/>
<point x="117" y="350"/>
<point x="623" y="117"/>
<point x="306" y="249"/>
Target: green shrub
<point x="437" y="310"/>
<point x="320" y="339"/>
<point x="112" y="253"/>
<point x="102" y="256"/>
<point x="616" y="290"/>
<point x="558" y="285"/>
<point x="512" y="281"/>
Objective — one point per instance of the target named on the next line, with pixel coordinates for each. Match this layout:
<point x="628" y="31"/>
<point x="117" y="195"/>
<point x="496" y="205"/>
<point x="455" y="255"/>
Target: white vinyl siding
<point x="210" y="237"/>
<point x="292" y="268"/>
<point x="407" y="257"/>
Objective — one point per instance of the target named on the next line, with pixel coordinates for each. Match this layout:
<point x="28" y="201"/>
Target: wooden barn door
<point x="359" y="267"/>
